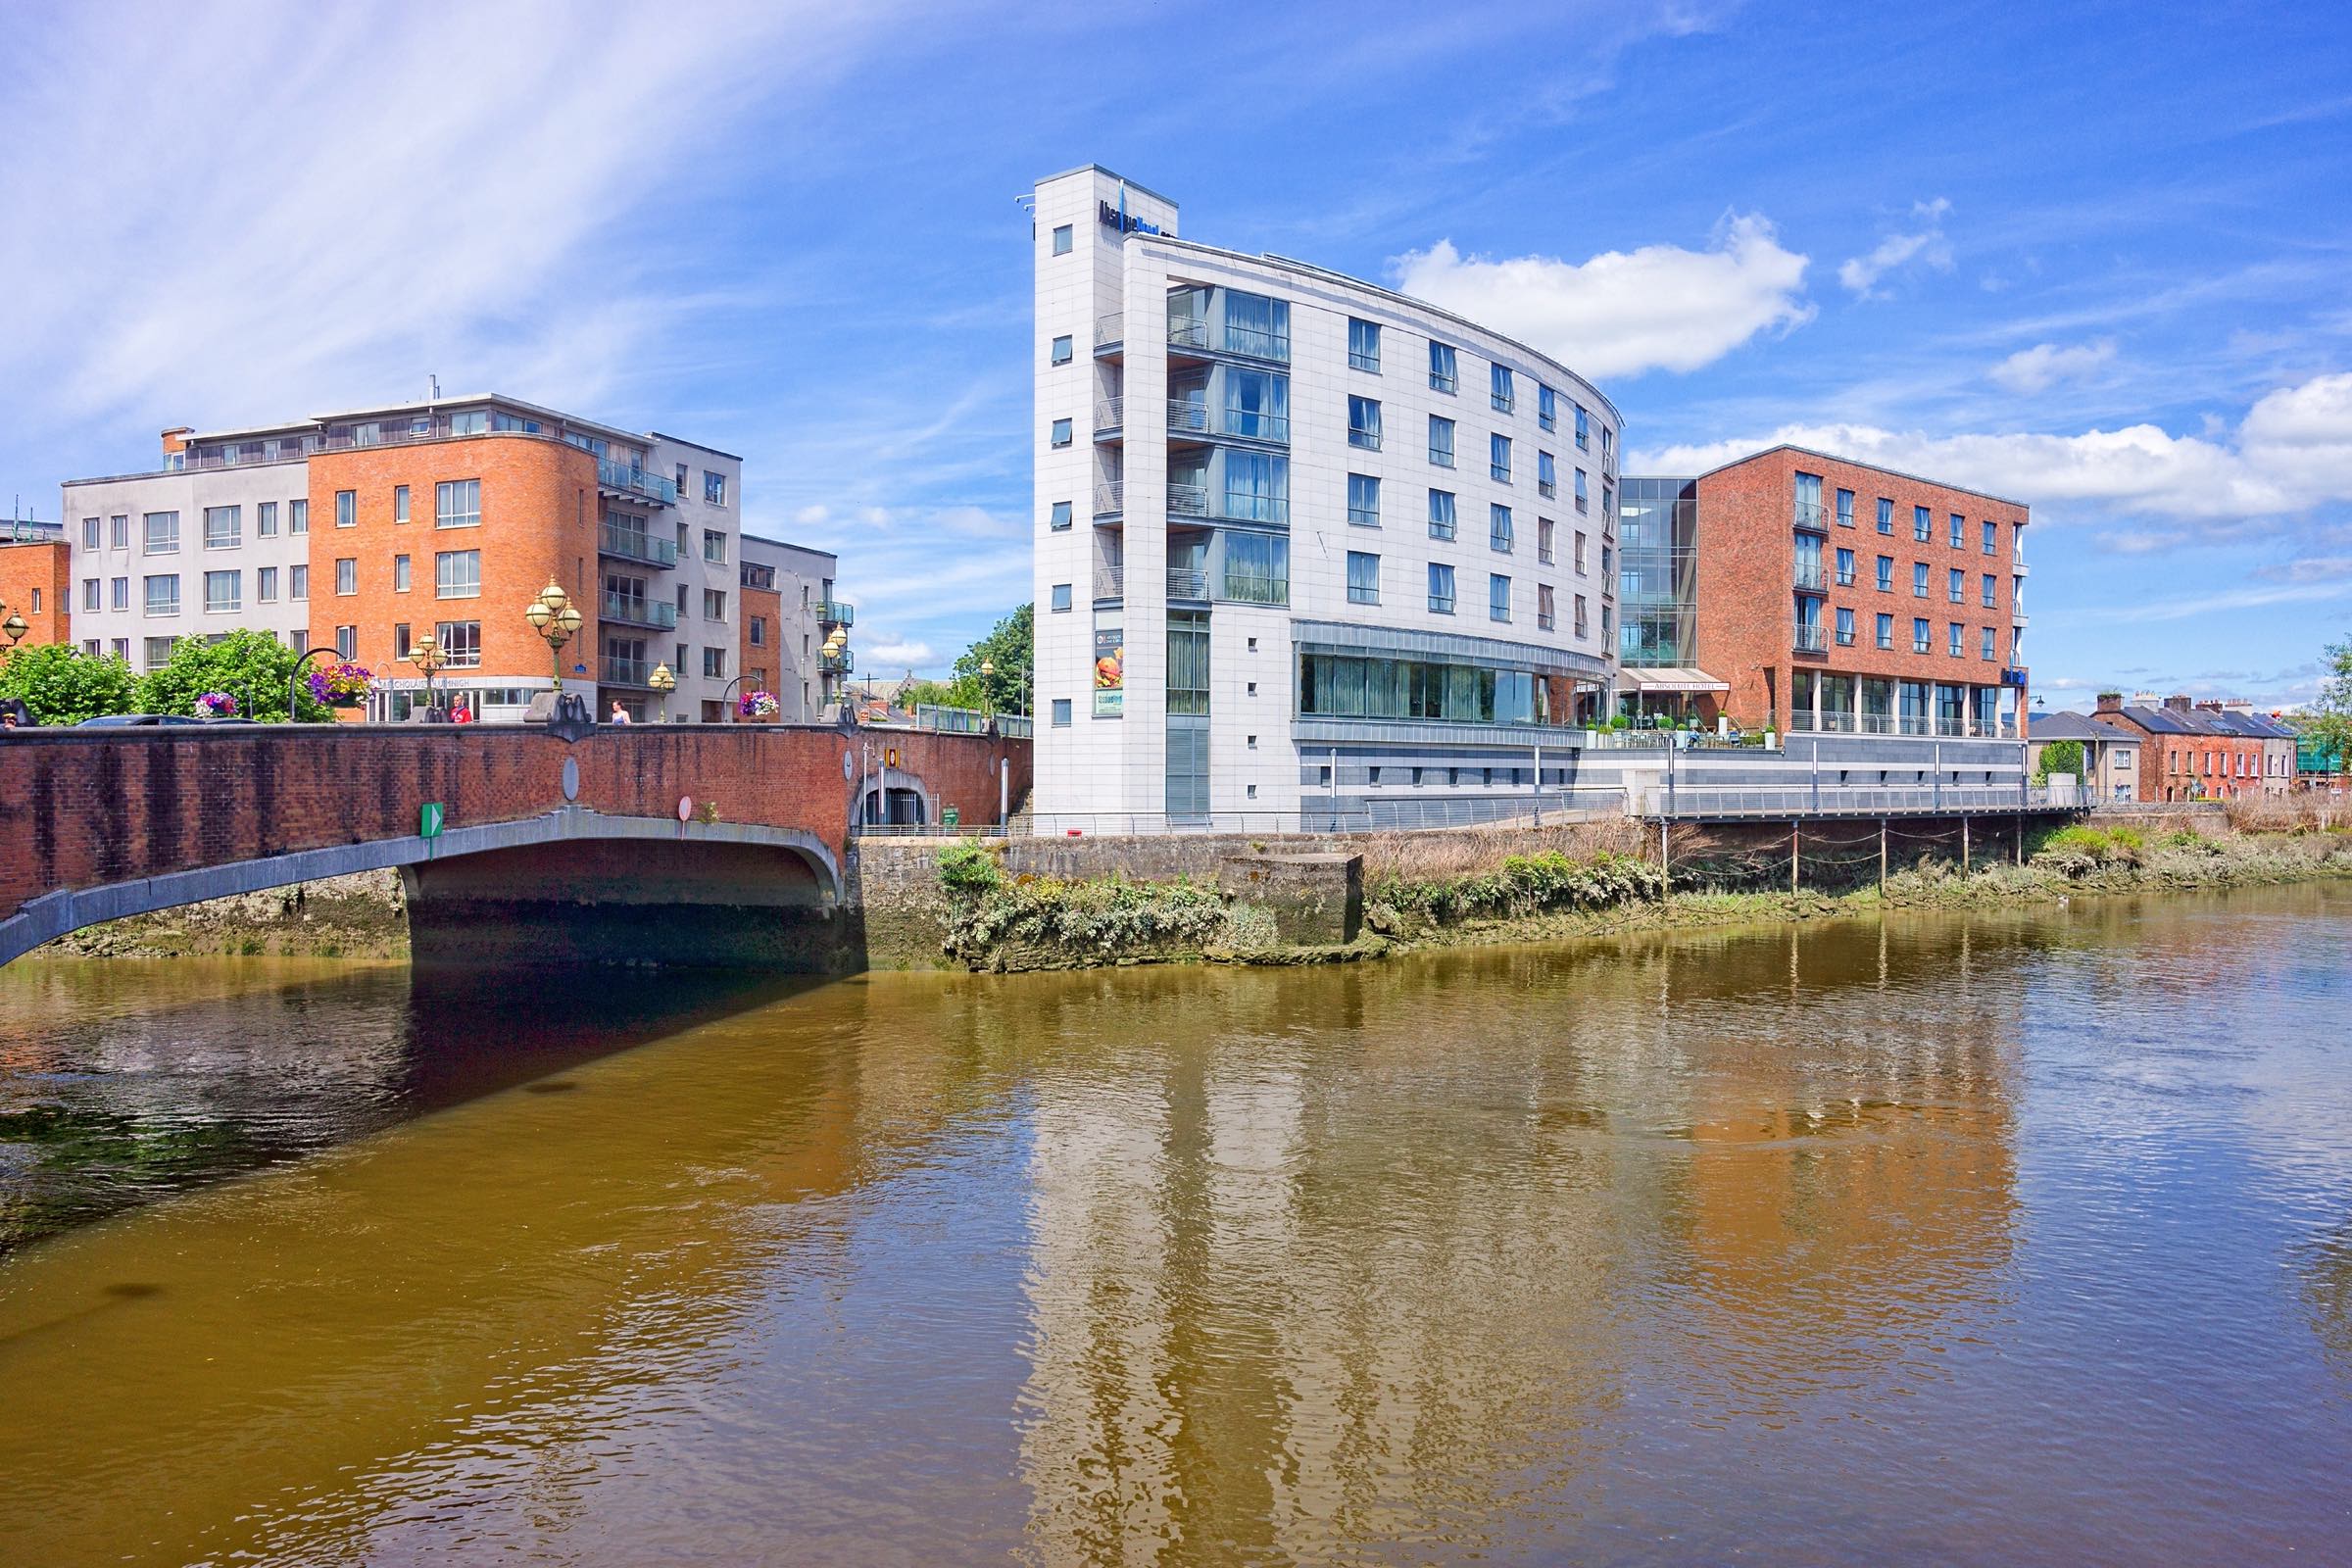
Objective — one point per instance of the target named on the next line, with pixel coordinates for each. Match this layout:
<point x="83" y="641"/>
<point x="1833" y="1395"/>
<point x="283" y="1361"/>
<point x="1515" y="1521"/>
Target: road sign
<point x="428" y="820"/>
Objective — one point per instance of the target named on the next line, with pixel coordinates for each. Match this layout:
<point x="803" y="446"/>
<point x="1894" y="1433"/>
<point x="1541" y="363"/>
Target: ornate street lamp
<point x="554" y="617"/>
<point x="428" y="655"/>
<point x="663" y="682"/>
<point x="14" y="626"/>
<point x="988" y="710"/>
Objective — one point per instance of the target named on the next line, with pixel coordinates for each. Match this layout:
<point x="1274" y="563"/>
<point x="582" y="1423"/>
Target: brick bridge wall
<point x="87" y="808"/>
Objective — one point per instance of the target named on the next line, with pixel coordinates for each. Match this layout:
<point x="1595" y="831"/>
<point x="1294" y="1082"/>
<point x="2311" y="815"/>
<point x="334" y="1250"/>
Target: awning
<point x="1670" y="680"/>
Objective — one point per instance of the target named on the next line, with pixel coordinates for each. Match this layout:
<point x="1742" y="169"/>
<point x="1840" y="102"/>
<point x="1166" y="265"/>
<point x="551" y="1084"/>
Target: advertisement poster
<point x="1110" y="672"/>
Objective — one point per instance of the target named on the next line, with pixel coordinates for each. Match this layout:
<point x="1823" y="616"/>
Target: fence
<point x="1349" y="815"/>
<point x="1773" y="800"/>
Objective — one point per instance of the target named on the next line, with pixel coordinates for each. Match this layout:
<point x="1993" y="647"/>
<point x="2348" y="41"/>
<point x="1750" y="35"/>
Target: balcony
<point x="1186" y="584"/>
<point x="1810" y="637"/>
<point x="836" y="612"/>
<point x="2017" y="618"/>
<point x="1248" y="342"/>
<point x="1111" y="332"/>
<point x="1111" y="582"/>
<point x="632" y="610"/>
<point x="630" y="545"/>
<point x="1110" y="498"/>
<point x="1808" y="576"/>
<point x="1109" y="416"/>
<point x="841" y="663"/>
<point x="621" y="478"/>
<point x="2019" y="568"/>
<point x="1187" y="417"/>
<point x="1811" y="517"/>
<point x="1188" y="501"/>
<point x="619" y="671"/>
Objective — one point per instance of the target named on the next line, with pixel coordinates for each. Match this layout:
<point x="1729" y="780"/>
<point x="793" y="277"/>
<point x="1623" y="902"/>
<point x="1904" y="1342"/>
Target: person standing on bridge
<point x="462" y="712"/>
<point x="620" y="714"/>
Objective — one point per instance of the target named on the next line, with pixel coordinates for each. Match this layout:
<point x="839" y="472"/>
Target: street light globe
<point x="988" y="667"/>
<point x="570" y="619"/>
<point x="538" y="616"/>
<point x="15" y="628"/>
<point x="661" y="680"/>
<point x="554" y="598"/>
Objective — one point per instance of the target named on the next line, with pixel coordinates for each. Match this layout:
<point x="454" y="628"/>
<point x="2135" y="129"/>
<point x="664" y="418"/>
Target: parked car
<point x="120" y="720"/>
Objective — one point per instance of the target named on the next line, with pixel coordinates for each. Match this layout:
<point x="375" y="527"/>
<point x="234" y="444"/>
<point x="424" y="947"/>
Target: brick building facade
<point x="2187" y="753"/>
<point x="36" y="582"/>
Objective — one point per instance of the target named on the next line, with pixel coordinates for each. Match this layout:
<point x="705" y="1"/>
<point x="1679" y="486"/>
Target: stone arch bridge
<point x="712" y="844"/>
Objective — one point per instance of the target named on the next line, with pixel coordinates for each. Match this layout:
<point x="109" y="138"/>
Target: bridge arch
<point x="54" y="914"/>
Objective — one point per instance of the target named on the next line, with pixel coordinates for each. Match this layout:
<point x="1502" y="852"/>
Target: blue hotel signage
<point x="1120" y="219"/>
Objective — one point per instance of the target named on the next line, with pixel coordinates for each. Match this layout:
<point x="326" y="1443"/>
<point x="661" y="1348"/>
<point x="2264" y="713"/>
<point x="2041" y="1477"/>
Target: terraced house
<point x="370" y="529"/>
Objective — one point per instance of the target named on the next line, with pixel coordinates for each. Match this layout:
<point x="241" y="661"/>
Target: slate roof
<point x="2072" y="726"/>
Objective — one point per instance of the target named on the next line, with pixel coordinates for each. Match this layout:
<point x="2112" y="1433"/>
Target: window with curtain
<point x="1257" y="487"/>
<point x="1501" y="395"/>
<point x="1499" y="459"/>
<point x="1363" y="501"/>
<point x="458" y="503"/>
<point x="458" y="574"/>
<point x="1257" y="569"/>
<point x="1441" y="513"/>
<point x="1547" y="406"/>
<point x="1441" y="441"/>
<point x="1499" y="597"/>
<point x="1440" y="588"/>
<point x="1363" y="423"/>
<point x="1257" y="405"/>
<point x="1363" y="577"/>
<point x="1257" y="326"/>
<point x="1498" y="528"/>
<point x="1440" y="367"/>
<point x="1363" y="345"/>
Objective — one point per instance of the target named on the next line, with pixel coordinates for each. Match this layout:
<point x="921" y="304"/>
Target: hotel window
<point x="1062" y="351"/>
<point x="714" y="546"/>
<point x="1887" y="631"/>
<point x="347" y="641"/>
<point x="93" y="590"/>
<point x="401" y="642"/>
<point x="347" y="575"/>
<point x="1846" y="627"/>
<point x="1060" y="515"/>
<point x="1922" y="527"/>
<point x="458" y="503"/>
<point x="1363" y="501"/>
<point x="120" y="592"/>
<point x="1846" y="568"/>
<point x="264" y="585"/>
<point x="160" y="534"/>
<point x="1544" y="529"/>
<point x="456" y="574"/>
<point x="680" y="472"/>
<point x="714" y="604"/>
<point x="156" y="651"/>
<point x="1993" y="534"/>
<point x="1062" y="432"/>
<point x="1919" y="580"/>
<point x="1959" y="531"/>
<point x="1583" y="628"/>
<point x="1991" y="593"/>
<point x="118" y="532"/>
<point x="1061" y="713"/>
<point x="163" y="595"/>
<point x="224" y="527"/>
<point x="1922" y="638"/>
<point x="1062" y="596"/>
<point x="714" y="488"/>
<point x="1958" y="639"/>
<point x="1498" y="528"/>
<point x="1605" y="574"/>
<point x="1885" y="574"/>
<point x="1499" y="392"/>
<point x="1363" y="423"/>
<point x="1845" y="508"/>
<point x="298" y="582"/>
<point x="714" y="663"/>
<point x="1580" y="552"/>
<point x="759" y="631"/>
<point x="1441" y="589"/>
<point x="265" y="519"/>
<point x="1441" y="441"/>
<point x="1544" y="616"/>
<point x="1547" y="407"/>
<point x="1988" y="643"/>
<point x="1955" y="587"/>
<point x="223" y="592"/>
<point x="1584" y="427"/>
<point x="1499" y="597"/>
<point x="1499" y="459"/>
<point x="1583" y="501"/>
<point x="1363" y="345"/>
<point x="92" y="531"/>
<point x="298" y="516"/>
<point x="1885" y="516"/>
<point x="120" y="649"/>
<point x="400" y="574"/>
<point x="299" y="639"/>
<point x="1062" y="241"/>
<point x="1441" y="513"/>
<point x="461" y="641"/>
<point x="1363" y="578"/>
<point x="1440" y="367"/>
<point x="347" y="508"/>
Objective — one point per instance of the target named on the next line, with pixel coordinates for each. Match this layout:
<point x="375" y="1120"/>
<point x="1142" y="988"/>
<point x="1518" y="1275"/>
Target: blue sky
<point x="2095" y="257"/>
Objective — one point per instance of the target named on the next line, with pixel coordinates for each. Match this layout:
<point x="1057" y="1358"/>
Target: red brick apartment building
<point x="36" y="583"/>
<point x="2192" y="752"/>
<point x="1838" y="596"/>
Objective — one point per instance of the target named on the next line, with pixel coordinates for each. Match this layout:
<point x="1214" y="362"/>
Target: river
<point x="2020" y="1238"/>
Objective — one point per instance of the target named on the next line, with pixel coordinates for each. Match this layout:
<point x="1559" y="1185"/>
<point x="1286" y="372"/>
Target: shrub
<point x="969" y="868"/>
<point x="63" y="685"/>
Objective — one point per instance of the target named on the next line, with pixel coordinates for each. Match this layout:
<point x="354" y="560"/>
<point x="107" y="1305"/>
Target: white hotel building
<point x="1307" y="552"/>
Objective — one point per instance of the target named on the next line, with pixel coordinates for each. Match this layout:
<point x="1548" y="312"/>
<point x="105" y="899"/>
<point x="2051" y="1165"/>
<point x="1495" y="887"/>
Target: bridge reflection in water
<point x="1659" y="1250"/>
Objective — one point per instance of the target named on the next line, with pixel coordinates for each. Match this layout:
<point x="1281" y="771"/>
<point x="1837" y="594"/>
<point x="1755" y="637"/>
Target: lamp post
<point x="664" y="683"/>
<point x="428" y="656"/>
<point x="14" y="626"/>
<point x="988" y="705"/>
<point x="726" y="708"/>
<point x="555" y="617"/>
<point x="294" y="680"/>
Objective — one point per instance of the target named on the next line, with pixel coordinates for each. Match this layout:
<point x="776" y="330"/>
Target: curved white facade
<point x="1239" y="502"/>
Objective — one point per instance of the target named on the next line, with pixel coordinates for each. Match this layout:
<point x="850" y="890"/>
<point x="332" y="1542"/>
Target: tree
<point x="252" y="666"/>
<point x="2060" y="757"/>
<point x="2330" y="721"/>
<point x="964" y="691"/>
<point x="1010" y="649"/>
<point x="63" y="685"/>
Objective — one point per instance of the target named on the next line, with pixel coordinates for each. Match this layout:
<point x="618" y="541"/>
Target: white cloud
<point x="1925" y="245"/>
<point x="899" y="654"/>
<point x="2045" y="365"/>
<point x="2292" y="452"/>
<point x="1625" y="311"/>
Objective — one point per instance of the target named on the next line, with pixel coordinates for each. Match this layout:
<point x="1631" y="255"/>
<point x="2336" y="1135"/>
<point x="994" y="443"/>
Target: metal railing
<point x="1109" y="412"/>
<point x="641" y="612"/>
<point x="1188" y="500"/>
<point x="1809" y="638"/>
<point x="618" y="671"/>
<point x="1111" y="582"/>
<point x="613" y="474"/>
<point x="836" y="612"/>
<point x="1110" y="329"/>
<point x="1808" y="514"/>
<point x="1786" y="800"/>
<point x="1809" y="576"/>
<point x="1187" y="415"/>
<point x="631" y="545"/>
<point x="1186" y="584"/>
<point x="1110" y="497"/>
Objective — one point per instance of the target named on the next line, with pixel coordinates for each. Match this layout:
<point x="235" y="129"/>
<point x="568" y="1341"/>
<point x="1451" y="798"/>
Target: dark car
<point x="119" y="720"/>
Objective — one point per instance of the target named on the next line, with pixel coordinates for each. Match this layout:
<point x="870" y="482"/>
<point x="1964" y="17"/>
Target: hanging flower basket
<point x="341" y="685"/>
<point x="215" y="704"/>
<point x="762" y="705"/>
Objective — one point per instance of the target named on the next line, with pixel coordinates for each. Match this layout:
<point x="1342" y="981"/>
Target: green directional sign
<point x="428" y="820"/>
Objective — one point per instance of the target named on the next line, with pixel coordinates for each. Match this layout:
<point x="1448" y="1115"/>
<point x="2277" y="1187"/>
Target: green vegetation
<point x="1047" y="921"/>
<point x="252" y="666"/>
<point x="63" y="685"/>
<point x="2329" y="720"/>
<point x="1523" y="885"/>
<point x="2060" y="757"/>
<point x="1010" y="650"/>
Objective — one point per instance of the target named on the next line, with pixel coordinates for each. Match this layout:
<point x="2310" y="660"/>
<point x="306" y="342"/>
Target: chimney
<point x="2238" y="705"/>
<point x="2176" y="702"/>
<point x="176" y="439"/>
<point x="2143" y="699"/>
<point x="2209" y="705"/>
<point x="2110" y="702"/>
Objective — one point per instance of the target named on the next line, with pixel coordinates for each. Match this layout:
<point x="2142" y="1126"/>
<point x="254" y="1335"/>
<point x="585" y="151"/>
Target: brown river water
<point x="2004" y="1239"/>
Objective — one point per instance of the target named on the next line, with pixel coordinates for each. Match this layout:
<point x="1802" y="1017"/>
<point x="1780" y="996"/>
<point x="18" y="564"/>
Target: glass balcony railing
<point x="1810" y="637"/>
<point x="1810" y="515"/>
<point x="630" y="545"/>
<point x="836" y="612"/>
<point x="1809" y="575"/>
<point x="841" y="663"/>
<point x="613" y="474"/>
<point x="619" y="671"/>
<point x="638" y="612"/>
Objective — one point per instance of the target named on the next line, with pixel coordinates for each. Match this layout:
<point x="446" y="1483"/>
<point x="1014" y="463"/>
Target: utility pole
<point x="1964" y="845"/>
<point x="1795" y="827"/>
<point x="1881" y="857"/>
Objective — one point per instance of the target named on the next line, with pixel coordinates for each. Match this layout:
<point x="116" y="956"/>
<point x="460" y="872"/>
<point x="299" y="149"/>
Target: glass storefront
<point x="1350" y="686"/>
